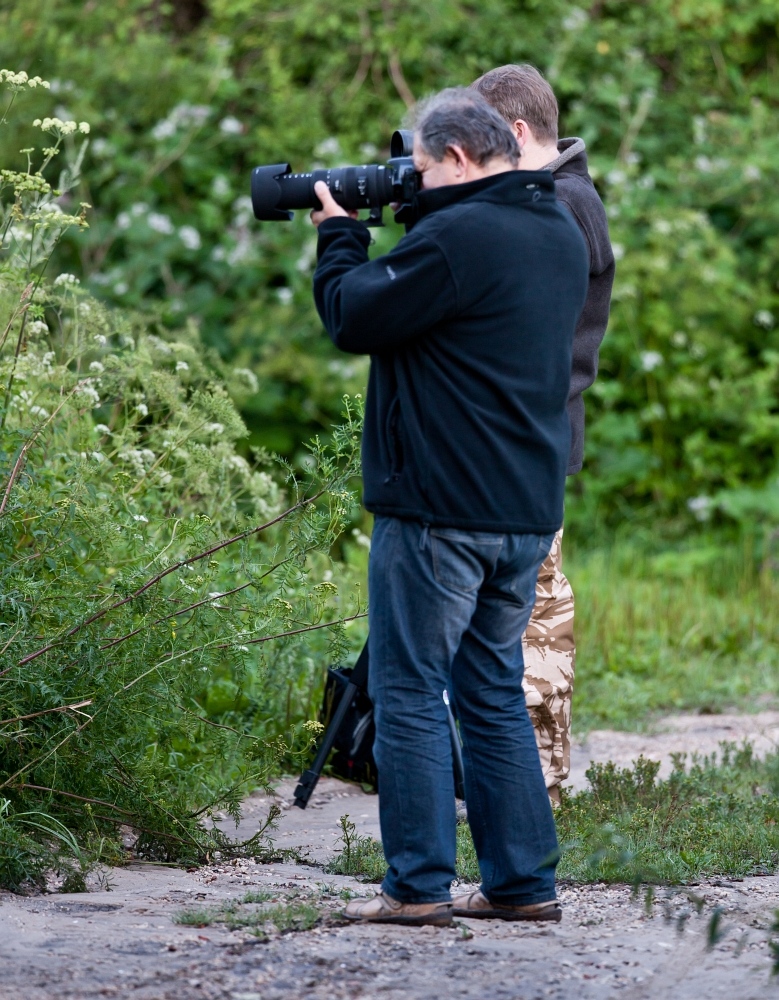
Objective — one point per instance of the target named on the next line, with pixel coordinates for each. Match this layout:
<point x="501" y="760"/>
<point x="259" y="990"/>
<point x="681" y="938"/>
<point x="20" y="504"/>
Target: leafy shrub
<point x="156" y="588"/>
<point x="676" y="103"/>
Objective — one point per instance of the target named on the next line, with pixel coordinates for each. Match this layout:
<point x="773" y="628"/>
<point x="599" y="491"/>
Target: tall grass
<point x="692" y="628"/>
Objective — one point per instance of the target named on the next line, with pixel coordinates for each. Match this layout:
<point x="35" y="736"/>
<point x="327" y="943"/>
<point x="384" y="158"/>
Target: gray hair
<point x="461" y="117"/>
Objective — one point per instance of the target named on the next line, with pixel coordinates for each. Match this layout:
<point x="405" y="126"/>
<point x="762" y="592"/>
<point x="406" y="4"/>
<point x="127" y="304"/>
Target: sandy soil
<point x="122" y="942"/>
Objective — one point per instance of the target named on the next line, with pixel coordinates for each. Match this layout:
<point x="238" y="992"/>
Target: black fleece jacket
<point x="466" y="422"/>
<point x="576" y="191"/>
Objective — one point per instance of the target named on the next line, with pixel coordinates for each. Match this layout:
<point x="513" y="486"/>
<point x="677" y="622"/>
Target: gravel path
<point x="124" y="943"/>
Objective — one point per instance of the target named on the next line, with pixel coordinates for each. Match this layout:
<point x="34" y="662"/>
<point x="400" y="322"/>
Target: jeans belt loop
<point x="423" y="536"/>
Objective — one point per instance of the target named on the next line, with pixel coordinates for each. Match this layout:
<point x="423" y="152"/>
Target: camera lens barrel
<point x="276" y="191"/>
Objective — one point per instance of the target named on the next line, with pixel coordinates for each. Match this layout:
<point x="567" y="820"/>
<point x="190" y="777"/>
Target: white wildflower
<point x="230" y="126"/>
<point x="752" y="173"/>
<point x="38" y="411"/>
<point x="140" y="517"/>
<point x="142" y="410"/>
<point x="651" y="360"/>
<point x="190" y="237"/>
<point x="361" y="538"/>
<point x="102" y="429"/>
<point x="220" y="187"/>
<point x="139" y="208"/>
<point x="764" y="318"/>
<point x="37" y="327"/>
<point x="218" y="253"/>
<point x="98" y="456"/>
<point x="100" y="339"/>
<point x="182" y="366"/>
<point x="284" y="295"/>
<point x="121" y="288"/>
<point x="618" y="250"/>
<point x="163" y="130"/>
<point x="679" y="338"/>
<point x="704" y="164"/>
<point x="159" y="223"/>
<point x="663" y="226"/>
<point x="700" y="507"/>
<point x="83" y="128"/>
<point x="575" y="19"/>
<point x="164" y="478"/>
<point x="123" y="220"/>
<point x="214" y="428"/>
<point x="249" y="377"/>
<point x="47" y="358"/>
<point x="328" y="147"/>
<point x="87" y="391"/>
<point x="96" y="366"/>
<point x="368" y="150"/>
<point x="238" y="462"/>
<point x="66" y="279"/>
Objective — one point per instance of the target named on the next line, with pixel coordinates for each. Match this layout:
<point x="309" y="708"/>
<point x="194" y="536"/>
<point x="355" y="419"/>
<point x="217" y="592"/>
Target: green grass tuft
<point x="715" y="817"/>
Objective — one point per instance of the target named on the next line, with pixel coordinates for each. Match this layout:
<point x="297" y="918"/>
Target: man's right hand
<point x="330" y="208"/>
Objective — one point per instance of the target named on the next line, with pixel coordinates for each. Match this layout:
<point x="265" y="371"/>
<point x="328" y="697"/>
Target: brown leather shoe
<point x="477" y="905"/>
<point x="383" y="909"/>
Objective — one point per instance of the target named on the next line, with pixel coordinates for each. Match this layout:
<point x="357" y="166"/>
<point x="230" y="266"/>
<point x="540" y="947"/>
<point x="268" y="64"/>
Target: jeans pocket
<point x="458" y="562"/>
<point x="523" y="586"/>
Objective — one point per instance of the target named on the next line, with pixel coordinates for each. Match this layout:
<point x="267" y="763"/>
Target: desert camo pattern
<point x="549" y="652"/>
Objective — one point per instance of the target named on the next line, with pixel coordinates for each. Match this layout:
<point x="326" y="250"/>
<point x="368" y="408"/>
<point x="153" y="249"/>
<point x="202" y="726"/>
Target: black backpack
<point x="347" y="714"/>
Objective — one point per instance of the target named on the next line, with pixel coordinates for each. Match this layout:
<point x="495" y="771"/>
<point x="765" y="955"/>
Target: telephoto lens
<point x="276" y="191"/>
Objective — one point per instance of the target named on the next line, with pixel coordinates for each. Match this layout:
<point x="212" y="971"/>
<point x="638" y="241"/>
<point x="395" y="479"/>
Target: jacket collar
<point x="514" y="187"/>
<point x="572" y="158"/>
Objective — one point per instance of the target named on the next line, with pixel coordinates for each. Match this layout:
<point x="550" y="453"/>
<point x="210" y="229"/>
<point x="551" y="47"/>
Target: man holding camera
<point x="465" y="451"/>
<point x="527" y="103"/>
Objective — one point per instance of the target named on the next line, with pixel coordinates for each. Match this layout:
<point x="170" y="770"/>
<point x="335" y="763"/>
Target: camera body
<point x="276" y="191"/>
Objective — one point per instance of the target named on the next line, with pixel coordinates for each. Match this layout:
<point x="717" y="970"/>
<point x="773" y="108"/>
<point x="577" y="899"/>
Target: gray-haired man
<point x="464" y="457"/>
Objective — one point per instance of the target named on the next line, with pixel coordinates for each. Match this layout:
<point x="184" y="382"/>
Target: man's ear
<point x="457" y="154"/>
<point x="521" y="130"/>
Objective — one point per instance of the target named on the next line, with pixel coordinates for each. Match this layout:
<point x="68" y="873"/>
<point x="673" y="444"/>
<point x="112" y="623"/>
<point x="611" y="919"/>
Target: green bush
<point x="675" y="100"/>
<point x="161" y="597"/>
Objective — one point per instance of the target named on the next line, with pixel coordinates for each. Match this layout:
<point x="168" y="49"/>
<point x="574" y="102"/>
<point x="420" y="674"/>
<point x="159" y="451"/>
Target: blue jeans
<point x="447" y="610"/>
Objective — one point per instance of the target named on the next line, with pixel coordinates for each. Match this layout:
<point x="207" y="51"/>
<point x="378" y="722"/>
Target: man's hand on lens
<point x="330" y="208"/>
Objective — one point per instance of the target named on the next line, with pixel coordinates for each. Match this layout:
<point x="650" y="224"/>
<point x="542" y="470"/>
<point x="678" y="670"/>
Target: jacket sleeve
<point x="590" y="217"/>
<point x="369" y="307"/>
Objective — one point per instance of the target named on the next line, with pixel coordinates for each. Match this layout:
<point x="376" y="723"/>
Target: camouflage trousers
<point x="549" y="652"/>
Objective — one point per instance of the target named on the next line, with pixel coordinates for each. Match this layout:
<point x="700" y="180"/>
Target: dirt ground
<point x="120" y="940"/>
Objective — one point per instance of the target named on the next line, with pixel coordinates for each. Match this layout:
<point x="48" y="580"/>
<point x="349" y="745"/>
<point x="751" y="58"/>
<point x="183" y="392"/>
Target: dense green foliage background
<point x="675" y="100"/>
<point x="139" y="398"/>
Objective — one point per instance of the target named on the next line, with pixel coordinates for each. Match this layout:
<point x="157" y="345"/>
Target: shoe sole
<point x="406" y="921"/>
<point x="552" y="915"/>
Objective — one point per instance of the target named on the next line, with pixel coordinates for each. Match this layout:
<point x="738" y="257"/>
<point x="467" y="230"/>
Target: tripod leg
<point x="457" y="753"/>
<point x="309" y="778"/>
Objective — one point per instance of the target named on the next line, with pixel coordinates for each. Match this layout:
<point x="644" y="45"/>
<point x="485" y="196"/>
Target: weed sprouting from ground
<point x="292" y="915"/>
<point x="710" y="817"/>
<point x="361" y="856"/>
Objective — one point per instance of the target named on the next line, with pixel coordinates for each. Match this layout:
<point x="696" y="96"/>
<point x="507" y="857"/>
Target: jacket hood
<point x="572" y="157"/>
<point x="514" y="187"/>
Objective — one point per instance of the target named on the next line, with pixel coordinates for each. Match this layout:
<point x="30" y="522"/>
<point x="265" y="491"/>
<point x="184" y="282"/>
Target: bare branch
<point x="296" y="631"/>
<point x="47" y="711"/>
